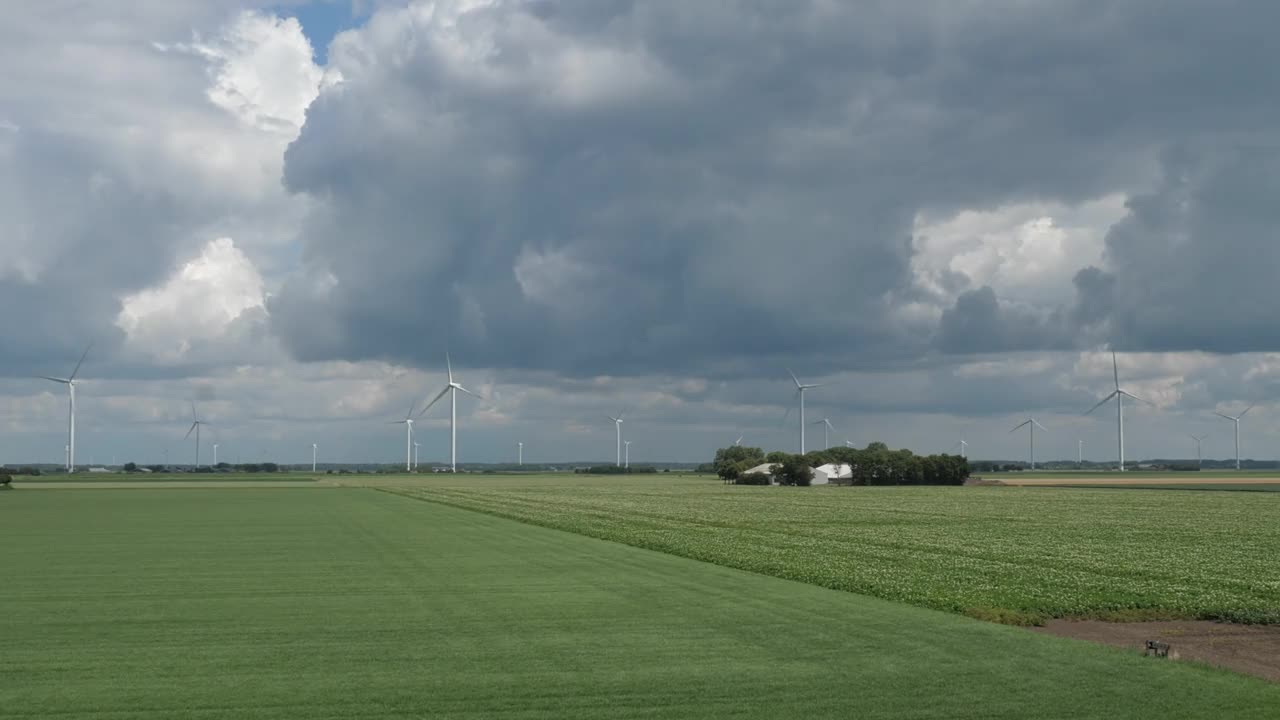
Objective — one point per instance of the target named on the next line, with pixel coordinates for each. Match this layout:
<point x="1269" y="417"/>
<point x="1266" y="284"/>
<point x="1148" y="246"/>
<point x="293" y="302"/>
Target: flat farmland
<point x="344" y="602"/>
<point x="1015" y="555"/>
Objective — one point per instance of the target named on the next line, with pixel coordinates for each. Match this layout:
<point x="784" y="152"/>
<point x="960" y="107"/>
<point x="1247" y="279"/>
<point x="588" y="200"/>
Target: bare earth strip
<point x="163" y="485"/>
<point x="1250" y="649"/>
<point x="1138" y="480"/>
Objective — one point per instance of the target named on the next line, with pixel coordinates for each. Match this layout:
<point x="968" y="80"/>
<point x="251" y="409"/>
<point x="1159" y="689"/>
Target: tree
<point x="131" y="467"/>
<point x="728" y="457"/>
<point x="776" y="456"/>
<point x="794" y="470"/>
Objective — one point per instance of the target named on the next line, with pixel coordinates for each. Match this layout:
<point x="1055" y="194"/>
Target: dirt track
<point x="1249" y="649"/>
<point x="1138" y="480"/>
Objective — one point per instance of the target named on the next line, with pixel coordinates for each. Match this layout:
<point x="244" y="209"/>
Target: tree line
<point x="875" y="464"/>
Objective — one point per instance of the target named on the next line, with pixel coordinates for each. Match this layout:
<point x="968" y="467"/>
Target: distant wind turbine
<point x="849" y="444"/>
<point x="196" y="422"/>
<point x="215" y="453"/>
<point x="520" y="454"/>
<point x="1119" y="395"/>
<point x="1032" y="424"/>
<point x="314" y="447"/>
<point x="1236" y="420"/>
<point x="452" y="390"/>
<point x="70" y="382"/>
<point x="800" y="388"/>
<point x="1199" y="456"/>
<point x="826" y="432"/>
<point x="415" y="454"/>
<point x="626" y="457"/>
<point x="964" y="448"/>
<point x="408" y="437"/>
<point x="617" y="424"/>
<point x="738" y="442"/>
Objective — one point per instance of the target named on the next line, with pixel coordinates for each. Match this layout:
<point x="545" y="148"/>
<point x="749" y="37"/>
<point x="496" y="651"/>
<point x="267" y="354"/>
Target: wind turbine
<point x="617" y="423"/>
<point x="1119" y="395"/>
<point x="800" y="388"/>
<point x="826" y="432"/>
<point x="738" y="442"/>
<point x="520" y="454"/>
<point x="849" y="444"/>
<point x="215" y="455"/>
<point x="1236" y="420"/>
<point x="1199" y="456"/>
<point x="964" y="448"/>
<point x="70" y="382"/>
<point x="415" y="454"/>
<point x="627" y="455"/>
<point x="1033" y="424"/>
<point x="314" y="446"/>
<point x="195" y="427"/>
<point x="408" y="437"/>
<point x="452" y="390"/>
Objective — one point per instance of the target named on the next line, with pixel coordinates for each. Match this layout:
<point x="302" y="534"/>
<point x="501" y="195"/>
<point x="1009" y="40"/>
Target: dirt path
<point x="1249" y="649"/>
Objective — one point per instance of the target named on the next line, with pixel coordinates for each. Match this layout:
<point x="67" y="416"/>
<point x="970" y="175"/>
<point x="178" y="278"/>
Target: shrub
<point x="5" y="480"/>
<point x="753" y="479"/>
<point x="794" y="470"/>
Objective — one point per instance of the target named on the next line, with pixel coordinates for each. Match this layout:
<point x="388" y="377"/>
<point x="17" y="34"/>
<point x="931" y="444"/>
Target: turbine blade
<point x="1102" y="402"/>
<point x="194" y="416"/>
<point x="82" y="357"/>
<point x="449" y="364"/>
<point x="1246" y="410"/>
<point x="434" y="400"/>
<point x="189" y="431"/>
<point x="411" y="407"/>
<point x="1128" y="394"/>
<point x="64" y="381"/>
<point x="794" y="378"/>
<point x="785" y="415"/>
<point x="1115" y="369"/>
<point x="1227" y="417"/>
<point x="1019" y="427"/>
<point x="468" y="392"/>
<point x="814" y="385"/>
<point x="1040" y="426"/>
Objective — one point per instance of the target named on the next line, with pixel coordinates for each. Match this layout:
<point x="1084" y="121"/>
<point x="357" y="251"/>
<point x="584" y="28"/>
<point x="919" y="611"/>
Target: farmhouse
<point x="831" y="473"/>
<point x="765" y="469"/>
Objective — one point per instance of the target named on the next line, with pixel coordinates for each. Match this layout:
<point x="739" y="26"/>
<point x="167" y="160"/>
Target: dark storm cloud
<point x="619" y="187"/>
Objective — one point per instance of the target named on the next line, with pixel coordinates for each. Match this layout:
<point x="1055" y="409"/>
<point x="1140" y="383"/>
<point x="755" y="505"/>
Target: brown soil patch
<point x="1248" y="649"/>
<point x="1138" y="479"/>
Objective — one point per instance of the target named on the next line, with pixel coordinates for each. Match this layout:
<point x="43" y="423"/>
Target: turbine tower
<point x="1033" y="424"/>
<point x="1236" y="420"/>
<point x="415" y="454"/>
<point x="626" y="458"/>
<point x="520" y="454"/>
<point x="826" y="432"/>
<point x="408" y="437"/>
<point x="1199" y="456"/>
<point x="70" y="382"/>
<point x="1119" y="395"/>
<point x="215" y="452"/>
<point x="964" y="448"/>
<point x="314" y="446"/>
<point x="452" y="390"/>
<point x="617" y="423"/>
<point x="196" y="422"/>
<point x="800" y="388"/>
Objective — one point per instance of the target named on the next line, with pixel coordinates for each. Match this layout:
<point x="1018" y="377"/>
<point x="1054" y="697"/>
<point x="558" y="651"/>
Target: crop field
<point x="324" y="602"/>
<point x="1014" y="555"/>
<point x="1226" y="480"/>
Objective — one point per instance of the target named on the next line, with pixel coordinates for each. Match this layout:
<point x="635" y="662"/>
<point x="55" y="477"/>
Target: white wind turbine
<point x="617" y="423"/>
<point x="800" y="388"/>
<point x="849" y="444"/>
<point x="1236" y="420"/>
<point x="1033" y="424"/>
<point x="408" y="437"/>
<point x="70" y="382"/>
<point x="964" y="448"/>
<point x="626" y="457"/>
<point x="520" y="454"/>
<point x="415" y="454"/>
<point x="1119" y="395"/>
<point x="826" y="432"/>
<point x="738" y="442"/>
<point x="1199" y="455"/>
<point x="196" y="422"/>
<point x="452" y="391"/>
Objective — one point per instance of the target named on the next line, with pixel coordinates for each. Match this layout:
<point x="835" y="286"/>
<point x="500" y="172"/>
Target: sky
<point x="948" y="213"/>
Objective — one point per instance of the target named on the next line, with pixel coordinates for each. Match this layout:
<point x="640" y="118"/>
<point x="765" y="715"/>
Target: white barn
<point x="824" y="474"/>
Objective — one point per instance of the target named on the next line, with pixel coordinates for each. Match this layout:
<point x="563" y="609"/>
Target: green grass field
<point x="1018" y="555"/>
<point x="346" y="602"/>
